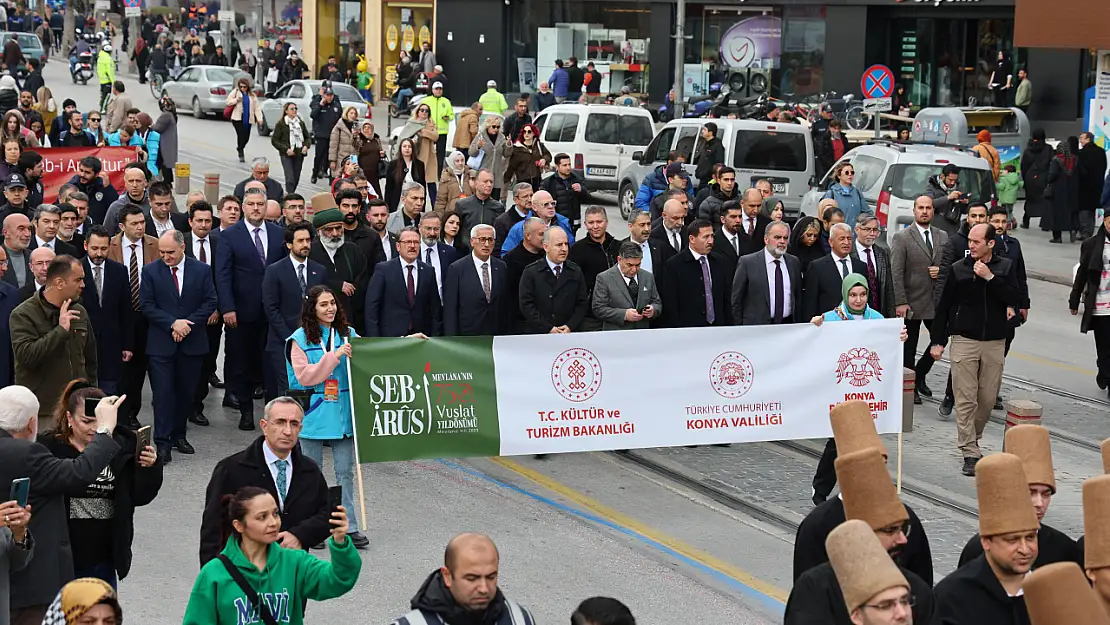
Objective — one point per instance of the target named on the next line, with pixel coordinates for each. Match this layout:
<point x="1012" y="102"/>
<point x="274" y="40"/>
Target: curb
<point x="1048" y="277"/>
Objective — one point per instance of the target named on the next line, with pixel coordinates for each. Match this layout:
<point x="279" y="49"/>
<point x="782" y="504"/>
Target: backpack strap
<point x="253" y="598"/>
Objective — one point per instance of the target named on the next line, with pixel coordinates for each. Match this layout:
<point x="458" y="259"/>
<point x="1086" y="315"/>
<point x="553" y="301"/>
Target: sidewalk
<point x="1050" y="262"/>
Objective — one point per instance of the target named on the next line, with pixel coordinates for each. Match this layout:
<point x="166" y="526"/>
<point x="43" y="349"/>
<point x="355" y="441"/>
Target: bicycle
<point x="156" y="83"/>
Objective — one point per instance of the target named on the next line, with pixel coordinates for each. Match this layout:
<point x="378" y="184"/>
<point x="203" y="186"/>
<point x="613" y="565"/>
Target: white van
<point x="600" y="138"/>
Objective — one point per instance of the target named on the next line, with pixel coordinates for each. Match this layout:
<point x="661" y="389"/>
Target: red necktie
<point x="412" y="288"/>
<point x="176" y="284"/>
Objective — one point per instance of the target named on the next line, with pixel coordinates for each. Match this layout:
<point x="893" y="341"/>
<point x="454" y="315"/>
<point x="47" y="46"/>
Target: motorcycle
<point x="419" y="92"/>
<point x="83" y="70"/>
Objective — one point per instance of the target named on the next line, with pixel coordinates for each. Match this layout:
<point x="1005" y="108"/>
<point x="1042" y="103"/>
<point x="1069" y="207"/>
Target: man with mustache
<point x="345" y="266"/>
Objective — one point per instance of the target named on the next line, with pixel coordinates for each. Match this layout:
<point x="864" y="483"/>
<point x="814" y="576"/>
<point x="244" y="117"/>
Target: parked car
<point x="395" y="134"/>
<point x="300" y="92"/>
<point x="891" y="175"/>
<point x="600" y="138"/>
<point x="203" y="88"/>
<point x="31" y="47"/>
<point x="780" y="153"/>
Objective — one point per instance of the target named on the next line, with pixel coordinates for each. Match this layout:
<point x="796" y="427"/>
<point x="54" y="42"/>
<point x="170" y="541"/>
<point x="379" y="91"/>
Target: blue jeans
<point x="101" y="570"/>
<point x="343" y="460"/>
<point x="402" y="96"/>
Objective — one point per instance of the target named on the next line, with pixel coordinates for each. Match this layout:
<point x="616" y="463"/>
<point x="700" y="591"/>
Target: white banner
<point x="698" y="386"/>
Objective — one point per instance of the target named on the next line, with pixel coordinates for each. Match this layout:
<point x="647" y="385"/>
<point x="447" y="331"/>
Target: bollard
<point x="909" y="381"/>
<point x="1021" y="412"/>
<point x="212" y="188"/>
<point x="181" y="173"/>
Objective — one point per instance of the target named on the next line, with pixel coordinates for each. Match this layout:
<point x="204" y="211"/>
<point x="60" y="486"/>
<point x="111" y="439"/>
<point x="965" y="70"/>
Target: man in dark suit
<point x="377" y="214"/>
<point x="107" y="298"/>
<point x="304" y="504"/>
<point x="475" y="291"/>
<point x="767" y="285"/>
<point x="729" y="240"/>
<point x="201" y="244"/>
<point x="754" y="223"/>
<point x="670" y="230"/>
<point x="825" y="275"/>
<point x="516" y="261"/>
<point x="403" y="298"/>
<point x="880" y="281"/>
<point x="655" y="251"/>
<point x="162" y="218"/>
<point x="553" y="294"/>
<point x="67" y="231"/>
<point x="48" y="218"/>
<point x="245" y="250"/>
<point x="688" y="301"/>
<point x="177" y="297"/>
<point x="434" y="252"/>
<point x="9" y="299"/>
<point x="283" y="294"/>
<point x="345" y="266"/>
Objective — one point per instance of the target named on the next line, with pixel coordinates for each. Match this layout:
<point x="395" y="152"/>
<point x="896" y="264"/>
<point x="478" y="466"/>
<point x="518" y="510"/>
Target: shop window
<point x="687" y="135"/>
<point x="661" y="146"/>
<point x="868" y="171"/>
<point x="602" y="129"/>
<point x="761" y="149"/>
<point x="635" y="130"/>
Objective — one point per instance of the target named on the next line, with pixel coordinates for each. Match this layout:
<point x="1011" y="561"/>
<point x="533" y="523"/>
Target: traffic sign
<point x="917" y="126"/>
<point x="877" y="82"/>
<point x="878" y="105"/>
<point x="946" y="128"/>
<point x="133" y="3"/>
<point x="132" y="12"/>
<point x="226" y="16"/>
<point x="103" y="5"/>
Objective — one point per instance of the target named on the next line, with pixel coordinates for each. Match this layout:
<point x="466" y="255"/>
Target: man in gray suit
<point x="764" y="292"/>
<point x="625" y="298"/>
<point x="915" y="264"/>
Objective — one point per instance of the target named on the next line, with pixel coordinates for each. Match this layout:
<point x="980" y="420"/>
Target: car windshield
<point x="769" y="149"/>
<point x="221" y="75"/>
<point x="345" y="92"/>
<point x="911" y="181"/>
<point x="25" y="40"/>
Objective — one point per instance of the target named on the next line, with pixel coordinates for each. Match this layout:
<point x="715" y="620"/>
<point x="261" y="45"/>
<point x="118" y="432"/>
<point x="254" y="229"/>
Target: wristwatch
<point x="103" y="430"/>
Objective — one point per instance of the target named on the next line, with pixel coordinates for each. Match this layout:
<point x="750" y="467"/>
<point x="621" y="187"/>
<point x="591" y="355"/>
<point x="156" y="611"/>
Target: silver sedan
<point x="300" y="92"/>
<point x="203" y="88"/>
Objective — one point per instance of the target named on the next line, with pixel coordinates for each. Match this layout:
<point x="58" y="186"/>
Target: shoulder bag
<point x="252" y="595"/>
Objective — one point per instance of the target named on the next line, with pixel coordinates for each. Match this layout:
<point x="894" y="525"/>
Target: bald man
<point x="754" y="223"/>
<point x="543" y="207"/>
<point x="40" y="260"/>
<point x="17" y="236"/>
<point x="464" y="589"/>
<point x="9" y="299"/>
<point x="671" y="229"/>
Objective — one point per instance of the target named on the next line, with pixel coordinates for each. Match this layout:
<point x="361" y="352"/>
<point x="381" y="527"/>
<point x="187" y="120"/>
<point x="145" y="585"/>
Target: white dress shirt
<point x="415" y="275"/>
<point x="40" y="243"/>
<point x="551" y="265"/>
<point x="271" y="464"/>
<point x="297" y="264"/>
<point x="697" y="260"/>
<point x="478" y="262"/>
<point x="424" y="247"/>
<point x="840" y="266"/>
<point x="733" y="240"/>
<point x="386" y="247"/>
<point x="180" y="275"/>
<point x="674" y="236"/>
<point x="769" y="259"/>
<point x="207" y="249"/>
<point x="125" y="244"/>
<point x="861" y="251"/>
<point x="160" y="227"/>
<point x="645" y="264"/>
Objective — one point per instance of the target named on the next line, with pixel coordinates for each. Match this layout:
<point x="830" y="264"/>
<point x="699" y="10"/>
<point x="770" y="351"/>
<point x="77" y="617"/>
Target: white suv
<point x="890" y="175"/>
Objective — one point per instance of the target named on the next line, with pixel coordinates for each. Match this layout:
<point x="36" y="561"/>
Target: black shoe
<point x="540" y="456"/>
<point x="818" y="499"/>
<point x="358" y="540"/>
<point x="230" y="401"/>
<point x="1054" y="240"/>
<point x="969" y="466"/>
<point x="946" y="406"/>
<point x="313" y="179"/>
<point x="132" y="423"/>
<point x="184" y="447"/>
<point x="1101" y="381"/>
<point x="165" y="457"/>
<point x="916" y="398"/>
<point x="923" y="388"/>
<point x="323" y="545"/>
<point x="214" y="381"/>
<point x="1025" y="225"/>
<point x="198" y="418"/>
<point x="246" y="423"/>
<point x="998" y="404"/>
<point x="259" y="392"/>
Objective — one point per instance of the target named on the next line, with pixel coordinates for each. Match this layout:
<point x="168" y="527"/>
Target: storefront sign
<point x="752" y="42"/>
<point x="391" y="37"/>
<point x="59" y="166"/>
<point x="512" y="395"/>
<point x="1102" y="79"/>
<point x="425" y="35"/>
<point x="407" y="38"/>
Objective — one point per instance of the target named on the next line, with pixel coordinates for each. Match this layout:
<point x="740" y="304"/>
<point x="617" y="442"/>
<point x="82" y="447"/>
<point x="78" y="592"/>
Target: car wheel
<point x="197" y="111"/>
<point x="626" y="199"/>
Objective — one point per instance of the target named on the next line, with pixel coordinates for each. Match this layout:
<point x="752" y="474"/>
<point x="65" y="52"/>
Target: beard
<point x="332" y="244"/>
<point x="350" y="218"/>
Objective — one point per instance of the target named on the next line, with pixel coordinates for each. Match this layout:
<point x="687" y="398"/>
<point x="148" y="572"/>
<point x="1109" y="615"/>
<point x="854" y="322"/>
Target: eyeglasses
<point x="848" y="172"/>
<point x="527" y="132"/>
<point x="94" y="119"/>
<point x="886" y="606"/>
<point x="408" y="243"/>
<point x="871" y="229"/>
<point x="485" y="240"/>
<point x="891" y="530"/>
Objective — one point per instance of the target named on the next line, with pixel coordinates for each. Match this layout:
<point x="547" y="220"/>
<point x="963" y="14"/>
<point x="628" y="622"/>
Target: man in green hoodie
<point x="464" y="590"/>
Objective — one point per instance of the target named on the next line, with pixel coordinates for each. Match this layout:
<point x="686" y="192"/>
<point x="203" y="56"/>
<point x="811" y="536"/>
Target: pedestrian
<point x="475" y="292"/>
<point x="543" y="97"/>
<point x="487" y="151"/>
<point x="876" y="531"/>
<point x="595" y="253"/>
<point x="346" y="269"/>
<point x="560" y="82"/>
<point x="17" y="549"/>
<point x="244" y="115"/>
<point x="141" y="57"/>
<point x="116" y="110"/>
<point x="1092" y="287"/>
<point x="479" y="207"/>
<point x="136" y="178"/>
<point x="403" y="297"/>
<point x="950" y="203"/>
<point x="433" y="252"/>
<point x="342" y="141"/>
<point x="403" y="169"/>
<point x="442" y="113"/>
<point x="527" y="158"/>
<point x="1092" y="173"/>
<point x="1036" y="159"/>
<point x="984" y="150"/>
<point x="493" y="101"/>
<point x="255" y="563"/>
<point x="90" y="182"/>
<point x="283" y="291"/>
<point x="854" y="431"/>
<point x="464" y="589"/>
<point x="1063" y="191"/>
<point x="85" y="600"/>
<point x="830" y="147"/>
<point x="291" y="139"/>
<point x="453" y="184"/>
<point x="151" y="142"/>
<point x="15" y="128"/>
<point x="1008" y="184"/>
<point x="988" y="589"/>
<point x="326" y="112"/>
<point x="624" y="296"/>
<point x="319" y="350"/>
<point x="694" y="287"/>
<point x="466" y="126"/>
<point x="977" y="333"/>
<point x="107" y="299"/>
<point x="1023" y="96"/>
<point x="451" y="234"/>
<point x="106" y="506"/>
<point x="166" y="127"/>
<point x="517" y="119"/>
<point x="848" y="197"/>
<point x="825" y="276"/>
<point x="427" y="60"/>
<point x="52" y="479"/>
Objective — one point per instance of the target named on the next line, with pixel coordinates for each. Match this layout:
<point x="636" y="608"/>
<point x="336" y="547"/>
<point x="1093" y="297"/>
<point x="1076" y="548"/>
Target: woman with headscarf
<point x="773" y="208"/>
<point x="488" y="148"/>
<point x="1063" y="191"/>
<point x="166" y="127"/>
<point x="342" y="143"/>
<point x="368" y="147"/>
<point x="1035" y="161"/>
<point x="453" y="184"/>
<point x="803" y="241"/>
<point x="421" y="129"/>
<point x="528" y="158"/>
<point x="84" y="600"/>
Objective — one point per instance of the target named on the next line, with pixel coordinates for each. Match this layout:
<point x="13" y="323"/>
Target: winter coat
<point x="280" y="137"/>
<point x="654" y="184"/>
<point x="342" y="145"/>
<point x="47" y="356"/>
<point x="941" y="204"/>
<point x="466" y="129"/>
<point x="1008" y="185"/>
<point x="433" y="604"/>
<point x="324" y="116"/>
<point x="236" y="98"/>
<point x="973" y="594"/>
<point x="1035" y="160"/>
<point x="493" y="155"/>
<point x="448" y="192"/>
<point x="826" y="155"/>
<point x="712" y="152"/>
<point x="848" y="199"/>
<point x="711" y="208"/>
<point x="166" y="127"/>
<point x="990" y="153"/>
<point x="493" y="101"/>
<point x="559" y="82"/>
<point x="522" y="164"/>
<point x="1088" y="278"/>
<point x="393" y="187"/>
<point x="568" y="202"/>
<point x="1064" y="200"/>
<point x="369" y="158"/>
<point x="1092" y="171"/>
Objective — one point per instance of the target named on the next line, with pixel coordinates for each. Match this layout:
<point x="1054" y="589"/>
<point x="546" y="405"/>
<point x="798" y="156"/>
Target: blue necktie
<point x="282" y="485"/>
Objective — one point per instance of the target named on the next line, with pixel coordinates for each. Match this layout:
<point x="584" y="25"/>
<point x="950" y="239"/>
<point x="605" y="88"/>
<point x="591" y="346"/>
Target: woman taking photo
<point x="490" y="145"/>
<point x="368" y="147"/>
<point x="102" y="514"/>
<point x="528" y="158"/>
<point x="848" y="198"/>
<point x="405" y="167"/>
<point x="342" y="143"/>
<point x="421" y="128"/>
<point x="453" y="183"/>
<point x="251" y="522"/>
<point x="452" y="223"/>
<point x="1092" y="286"/>
<point x="291" y="139"/>
<point x="244" y="115"/>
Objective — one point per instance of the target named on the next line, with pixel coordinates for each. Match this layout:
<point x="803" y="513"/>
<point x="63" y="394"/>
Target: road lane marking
<point x="768" y="595"/>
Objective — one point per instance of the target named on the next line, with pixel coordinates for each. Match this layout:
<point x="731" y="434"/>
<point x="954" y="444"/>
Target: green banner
<point x="424" y="399"/>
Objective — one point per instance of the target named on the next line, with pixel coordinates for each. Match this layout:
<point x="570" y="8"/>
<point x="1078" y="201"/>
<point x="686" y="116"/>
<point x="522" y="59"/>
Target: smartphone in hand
<point x="143" y="438"/>
<point x="21" y="489"/>
<point x="90" y="405"/>
<point x="335" y="497"/>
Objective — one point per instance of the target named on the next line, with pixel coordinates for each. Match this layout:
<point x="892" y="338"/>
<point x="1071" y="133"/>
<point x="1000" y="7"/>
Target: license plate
<point x="601" y="171"/>
<point x="780" y="188"/>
